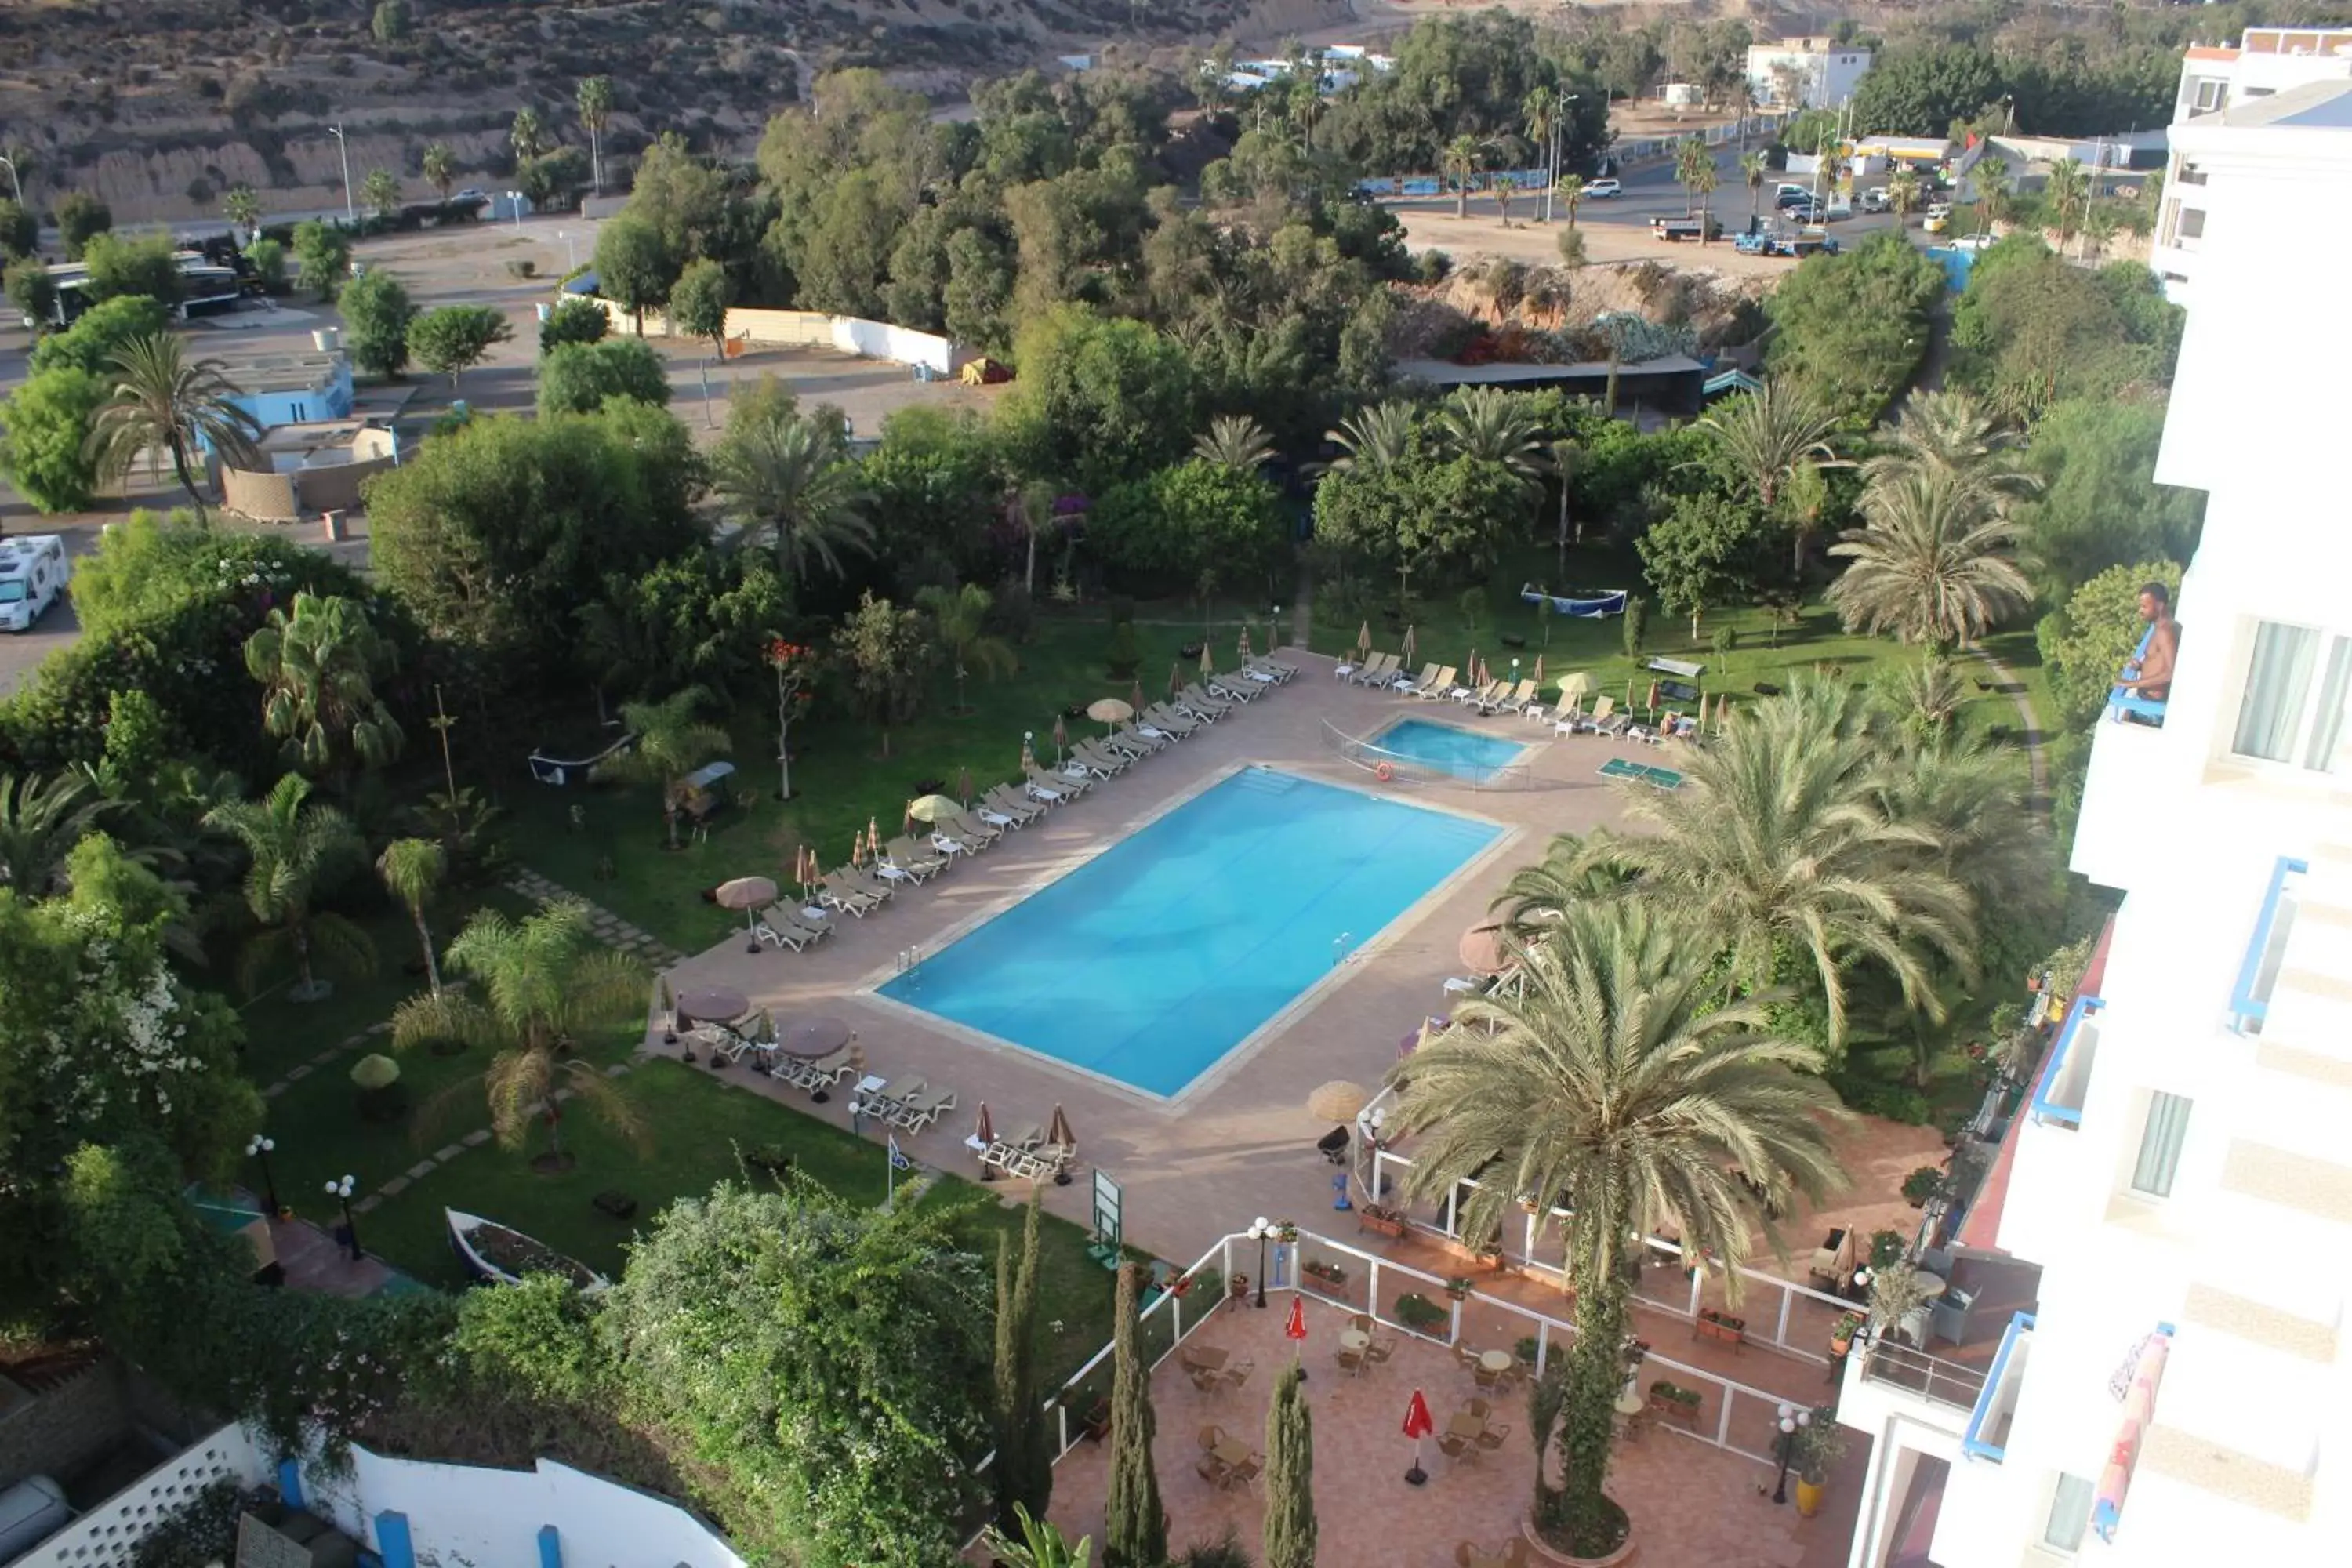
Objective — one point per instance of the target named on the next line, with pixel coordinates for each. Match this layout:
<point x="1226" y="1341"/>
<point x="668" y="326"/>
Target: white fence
<point x="814" y="329"/>
<point x="108" y="1536"/>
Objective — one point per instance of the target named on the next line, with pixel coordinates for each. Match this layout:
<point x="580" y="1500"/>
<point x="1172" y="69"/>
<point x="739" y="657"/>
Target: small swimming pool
<point x="1448" y="748"/>
<point x="1151" y="962"/>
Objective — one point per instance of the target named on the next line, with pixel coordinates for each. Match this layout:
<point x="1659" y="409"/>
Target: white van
<point x="32" y="575"/>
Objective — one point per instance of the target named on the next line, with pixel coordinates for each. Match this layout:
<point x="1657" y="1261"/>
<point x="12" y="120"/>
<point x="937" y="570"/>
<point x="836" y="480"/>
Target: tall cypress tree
<point x="1290" y="1474"/>
<point x="1023" y="1471"/>
<point x="1135" y="1533"/>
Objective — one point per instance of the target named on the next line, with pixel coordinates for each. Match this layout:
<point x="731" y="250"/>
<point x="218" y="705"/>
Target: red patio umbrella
<point x="1418" y="1424"/>
<point x="1296" y="1330"/>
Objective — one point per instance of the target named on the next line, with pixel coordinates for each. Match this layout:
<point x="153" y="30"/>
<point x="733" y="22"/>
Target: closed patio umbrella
<point x="931" y="807"/>
<point x="1470" y="675"/>
<point x="985" y="1133"/>
<point x="1175" y="677"/>
<point x="1364" y="641"/>
<point x="1241" y="649"/>
<point x="1208" y="661"/>
<point x="1338" y="1100"/>
<point x="963" y="782"/>
<point x="1135" y="698"/>
<point x="1028" y="751"/>
<point x="1061" y="738"/>
<point x="1539" y="676"/>
<point x="1410" y="643"/>
<point x="1057" y="1131"/>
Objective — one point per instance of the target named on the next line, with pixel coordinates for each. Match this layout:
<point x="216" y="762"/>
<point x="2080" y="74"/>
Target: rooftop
<point x="280" y="372"/>
<point x="2313" y="106"/>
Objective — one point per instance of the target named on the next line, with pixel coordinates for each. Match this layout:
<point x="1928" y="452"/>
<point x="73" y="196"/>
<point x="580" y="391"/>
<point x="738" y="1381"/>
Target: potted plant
<point x="1842" y="1332"/>
<point x="1459" y="1287"/>
<point x="1671" y="1400"/>
<point x="1716" y="1324"/>
<point x="1921" y="1184"/>
<point x="1327" y="1278"/>
<point x="1419" y="1313"/>
<point x="1886" y="1250"/>
<point x="1815" y="1447"/>
<point x="1381" y="1220"/>
<point x="1897" y="1296"/>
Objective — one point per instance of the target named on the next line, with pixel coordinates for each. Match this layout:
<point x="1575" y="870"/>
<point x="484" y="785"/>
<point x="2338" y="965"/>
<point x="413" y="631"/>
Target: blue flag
<point x="898" y="1162"/>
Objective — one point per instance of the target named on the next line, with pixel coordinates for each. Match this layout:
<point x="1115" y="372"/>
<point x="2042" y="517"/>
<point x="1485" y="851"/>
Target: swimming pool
<point x="1151" y="962"/>
<point x="1464" y="754"/>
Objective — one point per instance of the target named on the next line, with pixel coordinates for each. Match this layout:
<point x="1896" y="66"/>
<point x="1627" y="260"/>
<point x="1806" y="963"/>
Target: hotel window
<point x="2292" y="709"/>
<point x="2210" y="93"/>
<point x="2070" y="1513"/>
<point x="2190" y="175"/>
<point x="2159" y="1145"/>
<point x="2191" y="225"/>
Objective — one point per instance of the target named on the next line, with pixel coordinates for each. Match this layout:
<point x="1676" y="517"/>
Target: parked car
<point x="1791" y="195"/>
<point x="1940" y="217"/>
<point x="1602" y="190"/>
<point x="1876" y="200"/>
<point x="1973" y="242"/>
<point x="1805" y="210"/>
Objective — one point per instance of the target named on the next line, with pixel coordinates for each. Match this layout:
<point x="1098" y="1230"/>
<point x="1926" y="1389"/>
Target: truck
<point x="1675" y="230"/>
<point x="1796" y="247"/>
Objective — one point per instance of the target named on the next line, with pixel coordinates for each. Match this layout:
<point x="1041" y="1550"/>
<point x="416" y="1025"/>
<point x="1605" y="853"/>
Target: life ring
<point x="1385" y="773"/>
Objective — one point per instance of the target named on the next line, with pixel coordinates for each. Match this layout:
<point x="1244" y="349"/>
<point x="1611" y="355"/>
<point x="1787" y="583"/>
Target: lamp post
<point x="515" y="197"/>
<point x="351" y="210"/>
<point x="1792" y="1421"/>
<point x="13" y="180"/>
<point x="1262" y="1231"/>
<point x="341" y="1191"/>
<point x="258" y="1148"/>
<point x="570" y="256"/>
<point x="1274" y="633"/>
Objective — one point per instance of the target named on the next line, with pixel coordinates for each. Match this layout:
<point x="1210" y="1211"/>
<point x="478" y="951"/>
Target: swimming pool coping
<point x="868" y="987"/>
<point x="1521" y="749"/>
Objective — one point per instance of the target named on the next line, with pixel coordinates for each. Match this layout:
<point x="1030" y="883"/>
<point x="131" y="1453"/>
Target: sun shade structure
<point x="813" y="1039"/>
<point x="931" y="807"/>
<point x="1109" y="711"/>
<point x="1482" y="949"/>
<point x="1338" y="1100"/>
<point x="747" y="893"/>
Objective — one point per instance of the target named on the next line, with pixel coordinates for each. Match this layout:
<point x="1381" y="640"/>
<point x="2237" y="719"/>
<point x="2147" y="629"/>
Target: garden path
<point x="608" y="927"/>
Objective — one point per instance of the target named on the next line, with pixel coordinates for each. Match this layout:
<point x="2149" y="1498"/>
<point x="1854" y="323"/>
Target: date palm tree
<point x="1991" y="178"/>
<point x="1372" y="439"/>
<point x="785" y="480"/>
<point x="594" y="98"/>
<point x="1541" y="115"/>
<point x="1618" y="1084"/>
<point x="295" y="850"/>
<point x="671" y="740"/>
<point x="318" y="669"/>
<point x="41" y="820"/>
<point x="440" y="167"/>
<point x="1952" y="436"/>
<point x="1903" y="196"/>
<point x="1767" y="437"/>
<point x="962" y="618"/>
<point x="1691" y="160"/>
<point x="1777" y="843"/>
<point x="2068" y="192"/>
<point x="1487" y="423"/>
<point x="1460" y="161"/>
<point x="538" y="982"/>
<point x="1235" y="441"/>
<point x="529" y="136"/>
<point x="161" y="398"/>
<point x="412" y="870"/>
<point x="1569" y="188"/>
<point x="242" y="207"/>
<point x="1753" y="167"/>
<point x="1932" y="563"/>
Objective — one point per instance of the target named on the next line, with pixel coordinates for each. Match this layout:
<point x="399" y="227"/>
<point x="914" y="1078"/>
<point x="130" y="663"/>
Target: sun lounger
<point x="949" y="843"/>
<point x="1428" y="673"/>
<point x="1120" y="743"/>
<point x="1570" y="715"/>
<point x="1174" y="721"/>
<point x="1064" y="784"/>
<point x="969" y="827"/>
<point x="1137" y="735"/>
<point x="1478" y="696"/>
<point x="840" y="893"/>
<point x="773" y="926"/>
<point x="1379" y="669"/>
<point x="815" y="921"/>
<point x="1197" y="700"/>
<point x="1100" y="762"/>
<point x="879" y="1103"/>
<point x="917" y="1111"/>
<point x="1233" y="690"/>
<point x="1270" y="669"/>
<point x="1011" y="806"/>
<point x="1599" y="719"/>
<point x="917" y="860"/>
<point x="1507" y="696"/>
<point x="1438" y="684"/>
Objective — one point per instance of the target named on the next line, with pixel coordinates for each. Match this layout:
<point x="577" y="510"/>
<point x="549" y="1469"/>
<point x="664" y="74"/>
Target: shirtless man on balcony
<point x="2151" y="676"/>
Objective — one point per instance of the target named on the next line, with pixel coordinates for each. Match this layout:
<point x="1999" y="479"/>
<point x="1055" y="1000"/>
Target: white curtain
<point x="2160" y="1144"/>
<point x="2327" y="724"/>
<point x="2277" y="682"/>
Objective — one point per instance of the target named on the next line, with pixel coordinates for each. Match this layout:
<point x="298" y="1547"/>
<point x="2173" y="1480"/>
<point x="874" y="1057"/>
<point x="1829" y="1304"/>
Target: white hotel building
<point x="2141" y="1360"/>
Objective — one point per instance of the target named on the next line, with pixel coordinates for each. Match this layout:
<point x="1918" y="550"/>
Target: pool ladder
<point x="910" y="965"/>
<point x="1343" y="948"/>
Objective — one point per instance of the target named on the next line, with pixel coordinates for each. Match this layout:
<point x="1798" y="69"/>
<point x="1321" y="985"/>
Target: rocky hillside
<point x="157" y="105"/>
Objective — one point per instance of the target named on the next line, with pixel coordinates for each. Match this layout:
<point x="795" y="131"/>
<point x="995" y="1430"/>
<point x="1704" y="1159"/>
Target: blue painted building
<point x="291" y="388"/>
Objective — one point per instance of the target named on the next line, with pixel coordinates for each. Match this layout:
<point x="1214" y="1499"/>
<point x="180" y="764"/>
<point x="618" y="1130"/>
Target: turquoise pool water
<point x="1151" y="961"/>
<point x="1464" y="754"/>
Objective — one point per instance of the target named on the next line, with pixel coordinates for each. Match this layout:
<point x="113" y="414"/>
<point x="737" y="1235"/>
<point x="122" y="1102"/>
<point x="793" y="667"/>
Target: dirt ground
<point x="1430" y="227"/>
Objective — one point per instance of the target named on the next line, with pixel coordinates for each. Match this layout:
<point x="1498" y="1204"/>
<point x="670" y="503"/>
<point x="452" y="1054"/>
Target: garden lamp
<point x="341" y="1191"/>
<point x="258" y="1148"/>
<point x="1261" y="1231"/>
<point x="1792" y="1420"/>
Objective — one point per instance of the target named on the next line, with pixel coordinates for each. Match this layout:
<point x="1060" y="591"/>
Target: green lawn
<point x="700" y="1123"/>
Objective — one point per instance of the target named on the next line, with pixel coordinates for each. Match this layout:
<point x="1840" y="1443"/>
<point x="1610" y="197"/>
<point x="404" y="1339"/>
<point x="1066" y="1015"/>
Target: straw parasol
<point x="931" y="807"/>
<point x="1364" y="641"/>
<point x="1338" y="1100"/>
<point x="1241" y="649"/>
<point x="1482" y="949"/>
<point x="874" y="837"/>
<point x="747" y="893"/>
<point x="1470" y="675"/>
<point x="1208" y="661"/>
<point x="1576" y="683"/>
<point x="1109" y="711"/>
<point x="1061" y="738"/>
<point x="1410" y="642"/>
<point x="1539" y="675"/>
<point x="857" y="849"/>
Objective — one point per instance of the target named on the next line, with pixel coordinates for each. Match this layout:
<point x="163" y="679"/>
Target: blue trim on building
<point x="550" y="1547"/>
<point x="2244" y="1004"/>
<point x="2044" y="1110"/>
<point x="1971" y="1443"/>
<point x="393" y="1539"/>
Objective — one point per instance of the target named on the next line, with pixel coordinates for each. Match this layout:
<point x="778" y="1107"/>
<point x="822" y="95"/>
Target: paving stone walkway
<point x="609" y="927"/>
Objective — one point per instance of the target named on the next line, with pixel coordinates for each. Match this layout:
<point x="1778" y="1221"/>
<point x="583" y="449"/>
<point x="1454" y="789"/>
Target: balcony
<point x="1987" y="1437"/>
<point x="2121" y="815"/>
<point x="2066" y="1076"/>
<point x="2250" y="1000"/>
<point x="1951" y="1384"/>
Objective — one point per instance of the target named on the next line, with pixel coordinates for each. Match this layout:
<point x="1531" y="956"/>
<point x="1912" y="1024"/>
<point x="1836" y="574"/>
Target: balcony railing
<point x="1987" y="1433"/>
<point x="2066" y="1077"/>
<point x="2250" y="1000"/>
<point x="2122" y="708"/>
<point x="1931" y="1377"/>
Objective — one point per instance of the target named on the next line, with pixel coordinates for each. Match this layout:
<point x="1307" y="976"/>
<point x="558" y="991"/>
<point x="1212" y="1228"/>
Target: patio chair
<point x="1377" y="1354"/>
<point x="1202" y="1379"/>
<point x="1236" y="1372"/>
<point x="1001" y="798"/>
<point x="1438" y="686"/>
<point x="1210" y="1435"/>
<point x="1210" y="1468"/>
<point x="919" y="861"/>
<point x="1481" y="1408"/>
<point x="772" y="926"/>
<point x="1061" y="785"/>
<point x="1485" y="1379"/>
<point x="1491" y="1440"/>
<point x="1415" y="683"/>
<point x="1244" y="1474"/>
<point x="967" y="826"/>
<point x="1350" y="1361"/>
<point x="839" y="893"/>
<point x="1455" y="1446"/>
<point x="1466" y="1354"/>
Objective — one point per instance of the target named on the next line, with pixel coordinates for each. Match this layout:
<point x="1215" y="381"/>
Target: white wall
<point x="108" y="1535"/>
<point x="460" y="1513"/>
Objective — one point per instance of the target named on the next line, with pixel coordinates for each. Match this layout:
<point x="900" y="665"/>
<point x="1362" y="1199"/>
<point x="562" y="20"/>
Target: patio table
<point x="1206" y="1358"/>
<point x="1231" y="1452"/>
<point x="1354" y="1340"/>
<point x="1496" y="1361"/>
<point x="1464" y="1424"/>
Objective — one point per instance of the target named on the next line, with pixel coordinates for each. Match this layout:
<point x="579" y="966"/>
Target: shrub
<point x="1921" y="1184"/>
<point x="383" y="1098"/>
<point x="1125" y="657"/>
<point x="1417" y="1311"/>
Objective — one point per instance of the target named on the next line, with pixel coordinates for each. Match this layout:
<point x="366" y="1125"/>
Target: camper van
<point x="32" y="575"/>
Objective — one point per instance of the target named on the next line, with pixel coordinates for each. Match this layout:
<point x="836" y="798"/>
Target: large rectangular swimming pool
<point x="1450" y="749"/>
<point x="1152" y="961"/>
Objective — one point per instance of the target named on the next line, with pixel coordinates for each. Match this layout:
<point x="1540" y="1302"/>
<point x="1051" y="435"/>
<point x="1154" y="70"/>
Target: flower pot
<point x="1840" y="1347"/>
<point x="1808" y="1497"/>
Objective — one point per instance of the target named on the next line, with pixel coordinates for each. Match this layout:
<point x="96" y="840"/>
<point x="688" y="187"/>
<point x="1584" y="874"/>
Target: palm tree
<point x="2068" y="192"/>
<point x="1692" y="157"/>
<point x="295" y="850"/>
<point x="1777" y="844"/>
<point x="671" y="742"/>
<point x="1032" y="508"/>
<point x="528" y="137"/>
<point x="539" y="982"/>
<point x="961" y="616"/>
<point x="1500" y="187"/>
<point x="1619" y="1085"/>
<point x="242" y="207"/>
<point x="1768" y="436"/>
<point x="41" y="820"/>
<point x="1542" y="114"/>
<point x="1561" y="457"/>
<point x="1372" y="439"/>
<point x="1952" y="437"/>
<point x="1235" y="441"/>
<point x="1931" y="564"/>
<point x="1991" y="178"/>
<point x="412" y="870"/>
<point x="1964" y="790"/>
<point x="380" y="191"/>
<point x="1926" y="694"/>
<point x="162" y="399"/>
<point x="1903" y="196"/>
<point x="1569" y="188"/>
<point x="1753" y="167"/>
<point x="318" y="669"/>
<point x="1703" y="182"/>
<point x="440" y="166"/>
<point x="1486" y="422"/>
<point x="784" y="479"/>
<point x="594" y="98"/>
<point x="1460" y="162"/>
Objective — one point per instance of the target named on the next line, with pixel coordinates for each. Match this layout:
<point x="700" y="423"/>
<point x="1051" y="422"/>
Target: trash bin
<point x="327" y="339"/>
<point x="332" y="524"/>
